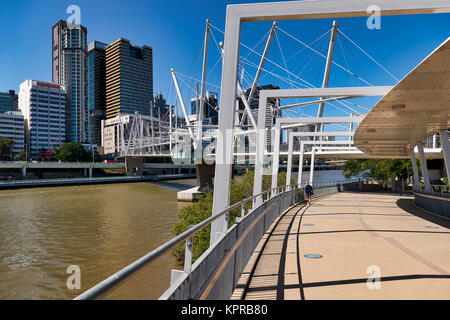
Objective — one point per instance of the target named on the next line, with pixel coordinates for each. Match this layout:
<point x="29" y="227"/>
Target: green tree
<point x="6" y="146"/>
<point x="241" y="189"/>
<point x="72" y="152"/>
<point x="22" y="156"/>
<point x="380" y="170"/>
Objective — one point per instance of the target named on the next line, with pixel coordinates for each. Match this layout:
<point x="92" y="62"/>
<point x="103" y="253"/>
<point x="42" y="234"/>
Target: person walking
<point x="309" y="192"/>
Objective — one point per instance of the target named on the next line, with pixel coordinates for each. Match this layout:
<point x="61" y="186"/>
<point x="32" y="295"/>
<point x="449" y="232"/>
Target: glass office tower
<point x="129" y="79"/>
<point x="70" y="69"/>
<point x="97" y="90"/>
<point x="8" y="101"/>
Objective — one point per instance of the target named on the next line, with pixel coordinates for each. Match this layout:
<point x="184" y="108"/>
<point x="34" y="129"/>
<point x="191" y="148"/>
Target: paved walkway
<point x="356" y="235"/>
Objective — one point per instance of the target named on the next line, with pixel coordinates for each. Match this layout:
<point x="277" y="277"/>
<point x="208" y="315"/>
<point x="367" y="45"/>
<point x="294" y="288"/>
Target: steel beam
<point x="183" y="107"/>
<point x="311" y="103"/>
<point x="204" y="69"/>
<point x="326" y="76"/>
<point x="325" y="92"/>
<point x="247" y="105"/>
<point x="291" y="137"/>
<point x="263" y="60"/>
<point x="445" y="143"/>
<point x="261" y="65"/>
<point x="302" y="150"/>
<point x="423" y="164"/>
<point x="415" y="169"/>
<point x="276" y="151"/>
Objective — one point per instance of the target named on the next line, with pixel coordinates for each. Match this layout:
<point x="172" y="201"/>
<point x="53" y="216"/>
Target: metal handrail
<point x="187" y="236"/>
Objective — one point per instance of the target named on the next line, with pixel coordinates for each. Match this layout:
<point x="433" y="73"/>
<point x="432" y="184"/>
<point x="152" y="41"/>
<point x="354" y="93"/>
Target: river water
<point x="100" y="229"/>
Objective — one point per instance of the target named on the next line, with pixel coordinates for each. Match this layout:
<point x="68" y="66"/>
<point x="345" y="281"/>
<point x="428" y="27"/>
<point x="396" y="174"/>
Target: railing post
<point x="188" y="256"/>
<point x="188" y="261"/>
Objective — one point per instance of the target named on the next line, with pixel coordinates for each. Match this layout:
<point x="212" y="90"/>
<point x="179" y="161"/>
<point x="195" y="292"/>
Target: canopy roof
<point x="415" y="109"/>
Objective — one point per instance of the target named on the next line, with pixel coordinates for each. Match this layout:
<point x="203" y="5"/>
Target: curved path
<point x="352" y="237"/>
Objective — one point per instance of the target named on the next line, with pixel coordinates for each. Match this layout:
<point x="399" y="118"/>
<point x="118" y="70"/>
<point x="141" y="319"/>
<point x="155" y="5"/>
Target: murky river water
<point x="100" y="229"/>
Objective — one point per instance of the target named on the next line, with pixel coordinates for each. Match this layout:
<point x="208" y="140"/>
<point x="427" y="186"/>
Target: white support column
<point x="276" y="158"/>
<point x="260" y="145"/>
<point x="203" y="85"/>
<point x="445" y="143"/>
<point x="290" y="159"/>
<point x="415" y="169"/>
<point x="170" y="128"/>
<point x="183" y="107"/>
<point x="300" y="165"/>
<point x="225" y="142"/>
<point x="423" y="164"/>
<point x="313" y="160"/>
<point x="326" y="76"/>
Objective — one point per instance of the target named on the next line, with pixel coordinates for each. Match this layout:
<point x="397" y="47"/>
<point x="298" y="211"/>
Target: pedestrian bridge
<point x="331" y="249"/>
<point x="283" y="249"/>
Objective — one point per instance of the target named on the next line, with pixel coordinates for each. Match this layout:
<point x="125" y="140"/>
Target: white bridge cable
<point x="274" y="63"/>
<point x="195" y="92"/>
<point x="369" y="56"/>
<point x="323" y="56"/>
<point x="301" y="50"/>
<point x="297" y="87"/>
<point x="282" y="78"/>
<point x="198" y="80"/>
<point x="338" y="101"/>
<point x="289" y="80"/>
<point x="345" y="57"/>
<point x="282" y="56"/>
<point x="309" y="116"/>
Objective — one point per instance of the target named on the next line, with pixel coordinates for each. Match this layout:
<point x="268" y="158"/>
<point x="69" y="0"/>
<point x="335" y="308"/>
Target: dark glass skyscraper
<point x="97" y="90"/>
<point x="70" y="69"/>
<point x="8" y="101"/>
<point x="129" y="79"/>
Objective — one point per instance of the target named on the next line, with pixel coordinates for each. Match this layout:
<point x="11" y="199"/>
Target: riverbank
<point x="22" y="184"/>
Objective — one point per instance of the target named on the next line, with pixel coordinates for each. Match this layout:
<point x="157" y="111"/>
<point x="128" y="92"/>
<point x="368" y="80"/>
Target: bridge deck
<point x="351" y="231"/>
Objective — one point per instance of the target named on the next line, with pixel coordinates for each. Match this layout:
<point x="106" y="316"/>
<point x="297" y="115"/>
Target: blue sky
<point x="174" y="28"/>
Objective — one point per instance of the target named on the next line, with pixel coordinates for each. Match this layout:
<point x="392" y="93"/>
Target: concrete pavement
<point x="352" y="237"/>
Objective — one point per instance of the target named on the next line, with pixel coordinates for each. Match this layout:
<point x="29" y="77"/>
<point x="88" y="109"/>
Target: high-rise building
<point x="43" y="106"/>
<point x="129" y="79"/>
<point x="272" y="112"/>
<point x="8" y="101"/>
<point x="70" y="69"/>
<point x="210" y="108"/>
<point x="12" y="127"/>
<point x="97" y="90"/>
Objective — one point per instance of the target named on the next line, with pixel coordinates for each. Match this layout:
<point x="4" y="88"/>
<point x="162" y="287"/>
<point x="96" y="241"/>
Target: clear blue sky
<point x="174" y="28"/>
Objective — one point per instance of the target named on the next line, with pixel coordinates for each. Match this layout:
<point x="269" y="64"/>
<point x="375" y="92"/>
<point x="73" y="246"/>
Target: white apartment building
<point x="12" y="127"/>
<point x="43" y="105"/>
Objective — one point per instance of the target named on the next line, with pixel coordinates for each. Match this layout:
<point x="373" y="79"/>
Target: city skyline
<point x="175" y="31"/>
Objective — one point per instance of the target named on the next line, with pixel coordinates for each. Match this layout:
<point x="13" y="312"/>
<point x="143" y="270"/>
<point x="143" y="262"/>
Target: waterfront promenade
<point x="351" y="237"/>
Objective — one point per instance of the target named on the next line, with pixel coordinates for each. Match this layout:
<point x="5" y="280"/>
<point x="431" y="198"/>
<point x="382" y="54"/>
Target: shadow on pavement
<point x="407" y="205"/>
